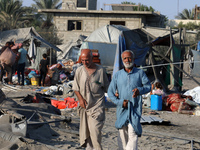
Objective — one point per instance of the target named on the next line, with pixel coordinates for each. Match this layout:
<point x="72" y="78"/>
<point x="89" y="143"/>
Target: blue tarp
<point x="121" y="46"/>
<point x="140" y="54"/>
<point x="198" y="46"/>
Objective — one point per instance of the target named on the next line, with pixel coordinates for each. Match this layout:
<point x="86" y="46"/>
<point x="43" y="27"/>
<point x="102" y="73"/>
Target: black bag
<point x="55" y="77"/>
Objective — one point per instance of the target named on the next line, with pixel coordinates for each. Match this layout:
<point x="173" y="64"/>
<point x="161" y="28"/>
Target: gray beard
<point x="128" y="66"/>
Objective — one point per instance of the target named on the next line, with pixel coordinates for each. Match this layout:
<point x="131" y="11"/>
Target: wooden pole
<point x="152" y="60"/>
<point x="172" y="72"/>
<point x="180" y="43"/>
<point x="50" y="56"/>
<point x="156" y="71"/>
<point x="170" y="47"/>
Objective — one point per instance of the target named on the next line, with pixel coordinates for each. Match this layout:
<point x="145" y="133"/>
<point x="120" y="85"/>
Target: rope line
<point x="176" y="63"/>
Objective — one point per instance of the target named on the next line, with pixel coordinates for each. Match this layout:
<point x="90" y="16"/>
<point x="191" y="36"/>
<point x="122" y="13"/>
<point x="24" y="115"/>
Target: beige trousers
<point x="127" y="138"/>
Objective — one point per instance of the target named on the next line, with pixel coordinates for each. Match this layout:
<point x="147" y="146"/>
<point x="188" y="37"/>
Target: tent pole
<point x="170" y="43"/>
<point x="174" y="73"/>
<point x="182" y="52"/>
<point x="155" y="70"/>
<point x="50" y="57"/>
<point x="181" y="60"/>
<point x="170" y="48"/>
<point x="152" y="64"/>
<point x="168" y="60"/>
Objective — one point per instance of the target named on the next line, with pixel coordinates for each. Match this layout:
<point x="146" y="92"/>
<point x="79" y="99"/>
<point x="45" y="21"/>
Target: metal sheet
<point x="150" y="119"/>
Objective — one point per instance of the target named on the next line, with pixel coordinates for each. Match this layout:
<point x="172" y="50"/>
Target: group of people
<point x="90" y="85"/>
<point x="125" y="90"/>
<point x="18" y="63"/>
<point x="13" y="57"/>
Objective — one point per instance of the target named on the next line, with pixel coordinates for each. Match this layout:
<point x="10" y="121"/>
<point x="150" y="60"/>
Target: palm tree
<point x="47" y="4"/>
<point x="13" y="15"/>
<point x="125" y="2"/>
<point x="186" y="14"/>
<point x="146" y="8"/>
<point x="141" y="6"/>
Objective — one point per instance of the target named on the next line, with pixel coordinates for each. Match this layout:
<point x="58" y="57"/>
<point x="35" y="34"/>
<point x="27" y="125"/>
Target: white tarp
<point x="106" y="34"/>
<point x="70" y="50"/>
<point x="105" y="39"/>
<point x="65" y="48"/>
<point x="17" y="35"/>
<point x="23" y="34"/>
<point x="195" y="93"/>
<point x="32" y="49"/>
<point x="106" y="51"/>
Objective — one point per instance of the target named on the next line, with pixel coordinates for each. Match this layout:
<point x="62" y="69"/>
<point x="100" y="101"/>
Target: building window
<point x="81" y="3"/>
<point x="74" y="25"/>
<point x="117" y="23"/>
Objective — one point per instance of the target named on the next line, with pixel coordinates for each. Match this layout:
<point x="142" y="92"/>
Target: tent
<point x="29" y="37"/>
<point x="70" y="50"/>
<point x="111" y="40"/>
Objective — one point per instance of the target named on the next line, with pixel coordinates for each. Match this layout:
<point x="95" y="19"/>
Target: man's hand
<point x="136" y="92"/>
<point x="117" y="95"/>
<point x="83" y="103"/>
<point x="125" y="104"/>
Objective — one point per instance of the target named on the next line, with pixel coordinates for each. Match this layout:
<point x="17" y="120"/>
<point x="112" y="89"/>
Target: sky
<point x="170" y="8"/>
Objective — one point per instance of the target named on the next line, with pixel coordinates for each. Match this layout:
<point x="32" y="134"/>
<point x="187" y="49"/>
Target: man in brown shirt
<point x="5" y="67"/>
<point x="90" y="84"/>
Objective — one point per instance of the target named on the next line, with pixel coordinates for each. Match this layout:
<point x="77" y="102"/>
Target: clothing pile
<point x="66" y="103"/>
<point x="175" y="102"/>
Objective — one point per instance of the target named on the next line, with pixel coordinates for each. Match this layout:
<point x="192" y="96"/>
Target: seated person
<point x="158" y="89"/>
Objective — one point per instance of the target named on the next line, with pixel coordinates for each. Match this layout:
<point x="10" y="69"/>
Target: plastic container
<point x="35" y="81"/>
<point x="106" y="99"/>
<point x="156" y="102"/>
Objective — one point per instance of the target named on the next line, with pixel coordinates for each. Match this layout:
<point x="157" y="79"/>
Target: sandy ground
<point x="182" y="133"/>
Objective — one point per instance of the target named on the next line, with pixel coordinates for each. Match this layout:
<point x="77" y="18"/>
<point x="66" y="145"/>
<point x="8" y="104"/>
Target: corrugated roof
<point x="150" y="119"/>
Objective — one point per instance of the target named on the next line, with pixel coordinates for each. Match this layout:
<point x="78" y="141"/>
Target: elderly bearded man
<point x="130" y="83"/>
<point x="90" y="84"/>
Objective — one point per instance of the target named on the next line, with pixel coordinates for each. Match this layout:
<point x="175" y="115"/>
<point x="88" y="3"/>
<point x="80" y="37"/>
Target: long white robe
<point x="92" y="89"/>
